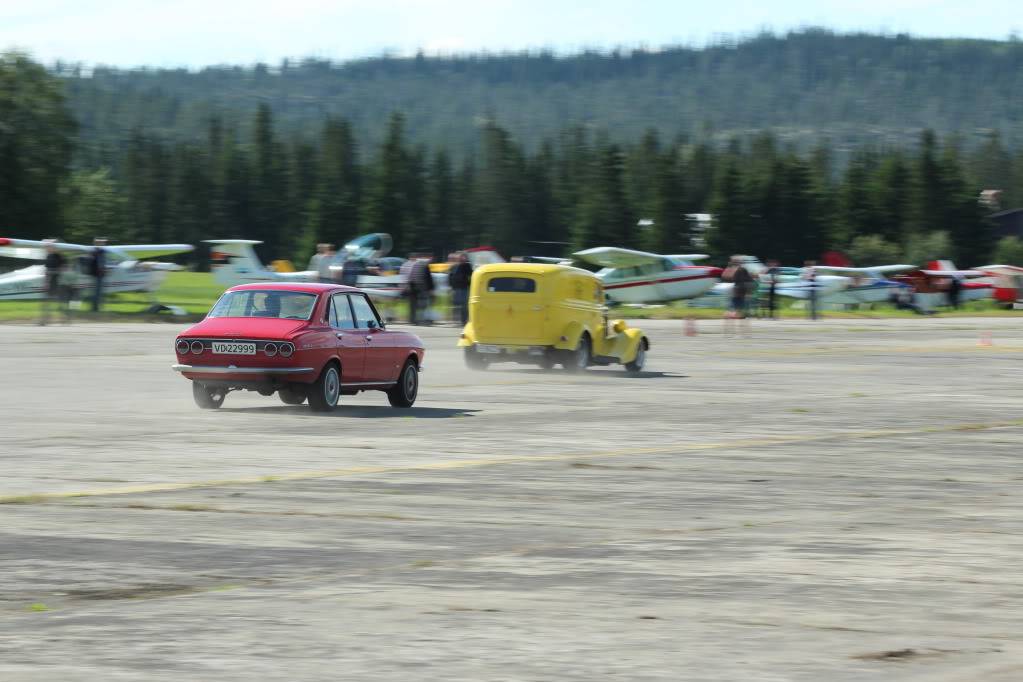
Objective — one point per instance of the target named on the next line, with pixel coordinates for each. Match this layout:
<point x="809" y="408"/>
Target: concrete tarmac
<point x="835" y="500"/>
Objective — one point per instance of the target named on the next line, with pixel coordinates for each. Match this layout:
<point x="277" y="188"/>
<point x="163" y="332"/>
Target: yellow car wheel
<point x="579" y="359"/>
<point x="636" y="366"/>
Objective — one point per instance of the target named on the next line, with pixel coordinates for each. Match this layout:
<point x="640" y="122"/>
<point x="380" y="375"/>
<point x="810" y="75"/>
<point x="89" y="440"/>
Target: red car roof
<point x="305" y="287"/>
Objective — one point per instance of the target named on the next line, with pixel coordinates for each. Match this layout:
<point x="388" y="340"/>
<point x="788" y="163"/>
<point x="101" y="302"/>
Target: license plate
<point x="234" y="348"/>
<point x="484" y="348"/>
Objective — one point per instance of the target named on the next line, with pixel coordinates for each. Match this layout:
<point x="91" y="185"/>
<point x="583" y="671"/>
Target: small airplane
<point x="638" y="277"/>
<point x="931" y="284"/>
<point x="846" y="285"/>
<point x="1006" y="282"/>
<point x="127" y="269"/>
<point x="234" y="262"/>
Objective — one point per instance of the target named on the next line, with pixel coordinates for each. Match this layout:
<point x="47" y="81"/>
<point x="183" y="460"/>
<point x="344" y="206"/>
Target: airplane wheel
<point x="325" y="392"/>
<point x="547" y="361"/>
<point x="579" y="359"/>
<point x="636" y="366"/>
<point x="208" y="398"/>
<point x="474" y="360"/>
<point x="403" y="393"/>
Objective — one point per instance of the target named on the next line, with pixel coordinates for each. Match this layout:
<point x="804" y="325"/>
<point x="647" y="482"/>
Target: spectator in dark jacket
<point x="98" y="270"/>
<point x="459" y="278"/>
<point x="55" y="265"/>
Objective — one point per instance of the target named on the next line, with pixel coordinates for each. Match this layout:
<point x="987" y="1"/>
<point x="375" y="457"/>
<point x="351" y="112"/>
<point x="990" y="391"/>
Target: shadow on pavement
<point x="360" y="411"/>
<point x="596" y="373"/>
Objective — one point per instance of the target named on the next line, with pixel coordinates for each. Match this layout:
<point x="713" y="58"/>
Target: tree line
<point x="802" y="85"/>
<point x="578" y="188"/>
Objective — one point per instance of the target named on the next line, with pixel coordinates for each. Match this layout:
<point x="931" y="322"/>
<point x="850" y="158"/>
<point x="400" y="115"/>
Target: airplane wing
<point x="1001" y="269"/>
<point x="874" y="271"/>
<point x="141" y="251"/>
<point x="611" y="257"/>
<point x="30" y="249"/>
<point x="953" y="273"/>
<point x="550" y="259"/>
<point x="689" y="256"/>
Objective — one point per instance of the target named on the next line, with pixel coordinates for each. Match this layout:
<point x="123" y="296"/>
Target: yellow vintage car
<point x="545" y="315"/>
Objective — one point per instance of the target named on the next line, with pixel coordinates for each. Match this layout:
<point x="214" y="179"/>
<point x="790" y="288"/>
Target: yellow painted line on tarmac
<point x="678" y="448"/>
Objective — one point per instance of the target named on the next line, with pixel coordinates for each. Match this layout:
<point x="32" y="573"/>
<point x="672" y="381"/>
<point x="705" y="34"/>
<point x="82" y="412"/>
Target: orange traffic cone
<point x="690" y="326"/>
<point x="985" y="339"/>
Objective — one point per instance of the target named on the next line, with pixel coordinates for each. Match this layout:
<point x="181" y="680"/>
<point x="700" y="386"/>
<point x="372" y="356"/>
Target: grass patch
<point x="799" y="410"/>
<point x="38" y="607"/>
<point x="195" y="292"/>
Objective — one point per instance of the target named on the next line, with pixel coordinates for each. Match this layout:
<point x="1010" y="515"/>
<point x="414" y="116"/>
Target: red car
<point x="312" y="342"/>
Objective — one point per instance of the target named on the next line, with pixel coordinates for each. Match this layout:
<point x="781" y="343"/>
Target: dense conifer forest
<point x="798" y="144"/>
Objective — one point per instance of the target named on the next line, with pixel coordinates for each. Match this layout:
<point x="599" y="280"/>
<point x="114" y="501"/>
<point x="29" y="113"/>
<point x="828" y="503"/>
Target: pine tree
<point x="388" y="208"/>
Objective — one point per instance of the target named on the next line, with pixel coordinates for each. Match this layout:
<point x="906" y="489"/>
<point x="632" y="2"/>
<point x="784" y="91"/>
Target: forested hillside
<point x="803" y="86"/>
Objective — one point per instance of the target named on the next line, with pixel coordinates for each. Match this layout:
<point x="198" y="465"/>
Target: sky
<point x="196" y="33"/>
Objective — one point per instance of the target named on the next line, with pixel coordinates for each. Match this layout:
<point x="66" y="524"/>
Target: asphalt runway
<point x="836" y="500"/>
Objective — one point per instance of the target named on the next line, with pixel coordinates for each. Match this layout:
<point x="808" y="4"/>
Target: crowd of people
<point x="60" y="279"/>
<point x="415" y="280"/>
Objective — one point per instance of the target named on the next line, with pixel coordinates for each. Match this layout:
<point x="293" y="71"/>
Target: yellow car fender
<point x="633" y="338"/>
<point x="468" y="338"/>
<point x="570" y="336"/>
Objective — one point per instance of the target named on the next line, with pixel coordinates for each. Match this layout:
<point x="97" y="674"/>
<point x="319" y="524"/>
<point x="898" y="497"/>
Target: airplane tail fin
<point x="234" y="261"/>
<point x="941" y="265"/>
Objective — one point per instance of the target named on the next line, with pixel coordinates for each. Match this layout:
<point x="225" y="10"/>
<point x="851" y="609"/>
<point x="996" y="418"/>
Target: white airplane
<point x="126" y="268"/>
<point x="640" y="277"/>
<point x="234" y="262"/>
<point x="847" y="286"/>
<point x="931" y="284"/>
<point x="1006" y="284"/>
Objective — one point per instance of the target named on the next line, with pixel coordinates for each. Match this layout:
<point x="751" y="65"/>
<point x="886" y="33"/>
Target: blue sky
<point x="194" y="33"/>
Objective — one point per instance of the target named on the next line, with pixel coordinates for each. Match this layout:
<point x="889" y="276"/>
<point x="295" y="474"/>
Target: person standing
<point x="422" y="287"/>
<point x="955" y="290"/>
<point x="54" y="265"/>
<point x="810" y="277"/>
<point x="98" y="270"/>
<point x="742" y="285"/>
<point x="459" y="279"/>
<point x="317" y="258"/>
<point x="772" y="287"/>
<point x="408" y="287"/>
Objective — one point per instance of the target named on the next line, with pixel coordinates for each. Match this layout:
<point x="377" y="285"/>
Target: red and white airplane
<point x="1006" y="282"/>
<point x="931" y="284"/>
<point x="640" y="277"/>
<point x="127" y="269"/>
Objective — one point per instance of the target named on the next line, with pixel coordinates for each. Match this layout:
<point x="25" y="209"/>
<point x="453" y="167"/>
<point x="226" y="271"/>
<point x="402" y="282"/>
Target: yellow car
<point x="545" y="314"/>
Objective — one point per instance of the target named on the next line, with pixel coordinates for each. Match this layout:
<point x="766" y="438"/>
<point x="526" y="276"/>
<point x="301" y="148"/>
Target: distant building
<point x="699" y="223"/>
<point x="991" y="199"/>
